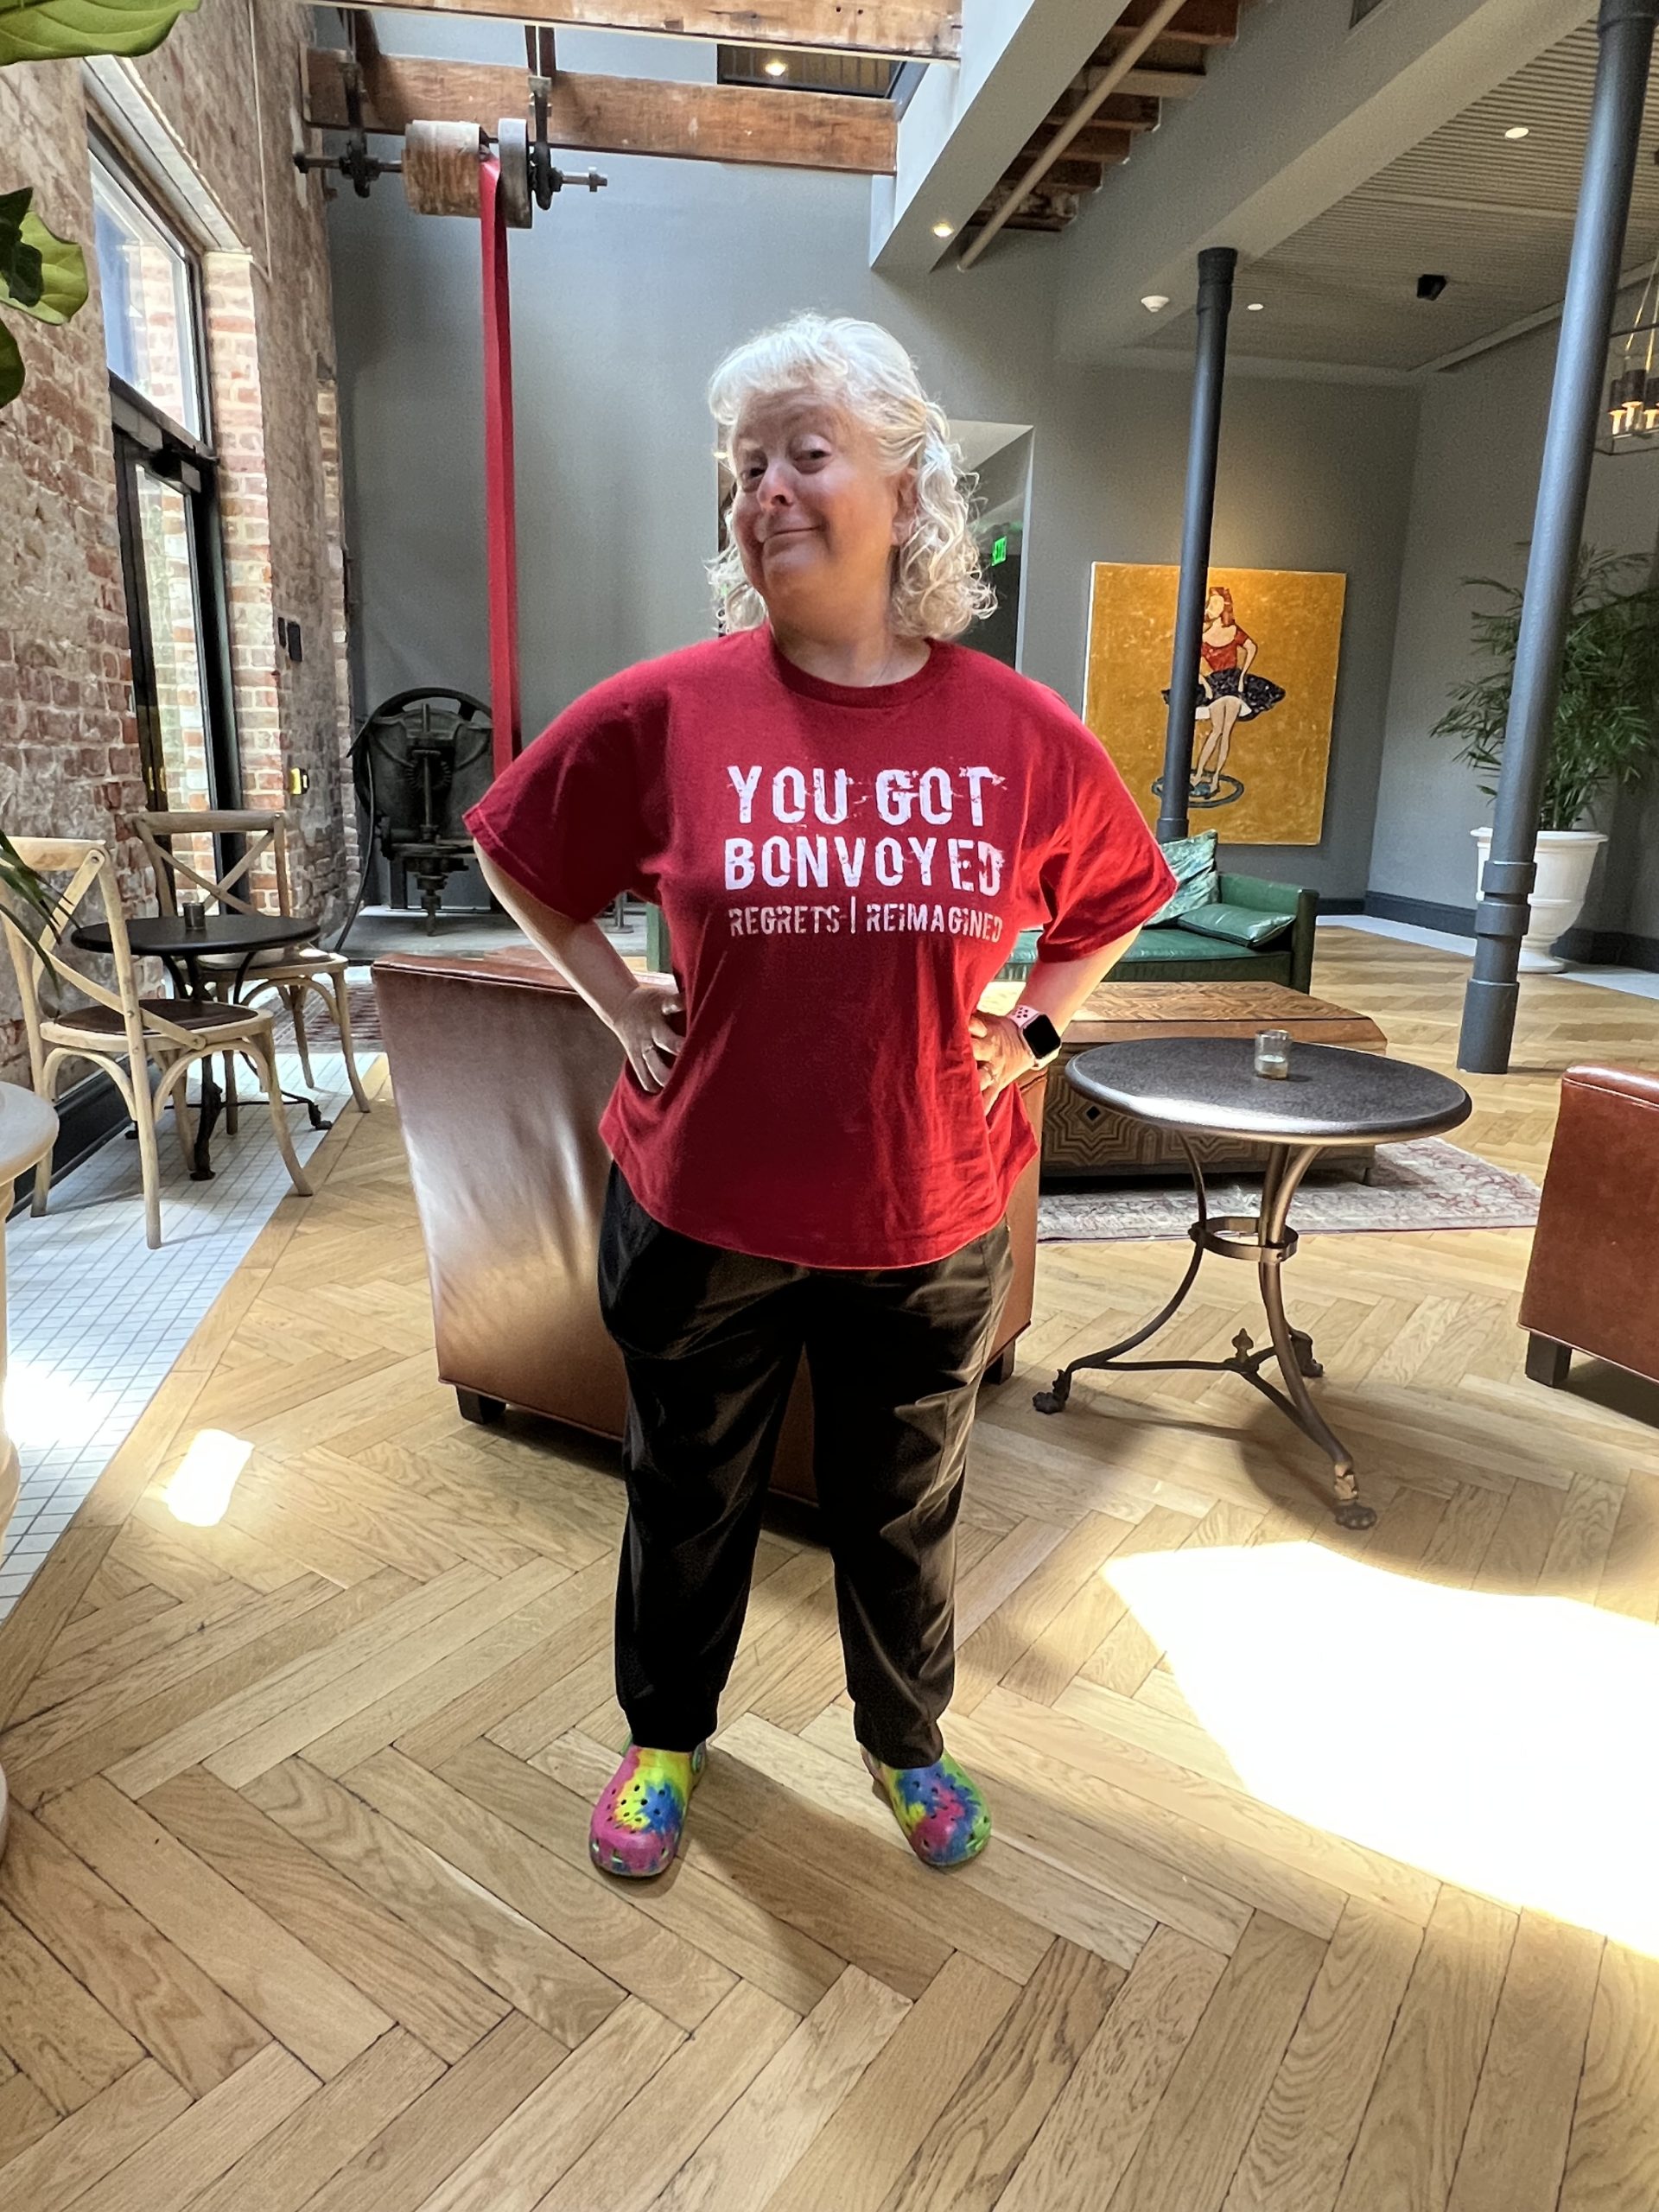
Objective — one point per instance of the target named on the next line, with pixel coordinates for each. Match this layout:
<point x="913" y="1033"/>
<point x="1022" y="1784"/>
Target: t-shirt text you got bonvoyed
<point x="843" y="871"/>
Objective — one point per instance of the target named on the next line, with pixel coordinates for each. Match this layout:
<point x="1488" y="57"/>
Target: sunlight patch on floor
<point x="1504" y="1743"/>
<point x="200" y="1489"/>
<point x="44" y="1408"/>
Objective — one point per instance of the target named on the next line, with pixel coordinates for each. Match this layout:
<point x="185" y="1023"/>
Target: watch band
<point x="1042" y="1038"/>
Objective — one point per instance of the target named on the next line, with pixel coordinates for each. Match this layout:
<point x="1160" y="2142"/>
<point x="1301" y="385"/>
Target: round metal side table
<point x="1208" y="1086"/>
<point x="182" y="950"/>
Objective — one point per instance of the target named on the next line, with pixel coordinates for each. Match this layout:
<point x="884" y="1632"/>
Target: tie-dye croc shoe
<point x="637" y="1823"/>
<point x="944" y="1819"/>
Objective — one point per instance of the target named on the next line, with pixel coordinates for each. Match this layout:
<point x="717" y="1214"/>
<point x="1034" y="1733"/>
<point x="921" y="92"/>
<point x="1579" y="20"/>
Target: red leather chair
<point x="500" y="1072"/>
<point x="1594" y="1282"/>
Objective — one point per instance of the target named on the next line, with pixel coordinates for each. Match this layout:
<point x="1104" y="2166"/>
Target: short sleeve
<point x="1105" y="872"/>
<point x="565" y="820"/>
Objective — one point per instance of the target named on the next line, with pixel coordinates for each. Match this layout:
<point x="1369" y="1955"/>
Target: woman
<point x="846" y="820"/>
<point x="1228" y="692"/>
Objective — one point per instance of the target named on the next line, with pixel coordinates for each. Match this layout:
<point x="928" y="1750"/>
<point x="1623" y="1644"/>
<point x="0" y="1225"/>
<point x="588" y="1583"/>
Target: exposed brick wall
<point x="68" y="743"/>
<point x="226" y="84"/>
<point x="339" y="637"/>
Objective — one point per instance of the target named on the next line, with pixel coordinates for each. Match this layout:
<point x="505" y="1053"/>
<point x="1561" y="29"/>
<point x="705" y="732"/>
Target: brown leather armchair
<point x="500" y="1073"/>
<point x="1594" y="1282"/>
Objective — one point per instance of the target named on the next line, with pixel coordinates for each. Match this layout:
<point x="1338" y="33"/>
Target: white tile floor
<point x="97" y="1318"/>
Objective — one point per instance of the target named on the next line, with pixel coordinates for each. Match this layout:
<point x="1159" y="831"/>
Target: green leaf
<point x="31" y="903"/>
<point x="61" y="30"/>
<point x="14" y="206"/>
<point x="48" y="274"/>
<point x="11" y="367"/>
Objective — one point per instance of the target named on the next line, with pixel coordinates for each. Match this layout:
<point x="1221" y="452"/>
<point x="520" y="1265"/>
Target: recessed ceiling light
<point x="1154" y="300"/>
<point x="1518" y="130"/>
<point x="944" y="230"/>
<point x="776" y="67"/>
<point x="1254" y="307"/>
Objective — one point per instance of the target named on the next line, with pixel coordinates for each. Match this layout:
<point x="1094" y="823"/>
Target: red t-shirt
<point x="843" y="871"/>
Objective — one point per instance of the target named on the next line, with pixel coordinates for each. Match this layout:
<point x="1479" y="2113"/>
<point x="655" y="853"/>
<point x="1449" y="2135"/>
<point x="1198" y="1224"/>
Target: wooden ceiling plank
<point x="1142" y="116"/>
<point x="618" y="115"/>
<point x="1091" y="145"/>
<point x="1156" y="15"/>
<point x="1164" y="84"/>
<point x="900" y="29"/>
<point x="1123" y="109"/>
<point x="1068" y="174"/>
<point x="1200" y="23"/>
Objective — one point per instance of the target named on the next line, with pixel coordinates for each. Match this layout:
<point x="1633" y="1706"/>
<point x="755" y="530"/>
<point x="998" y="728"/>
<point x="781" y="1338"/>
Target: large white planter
<point x="1566" y="858"/>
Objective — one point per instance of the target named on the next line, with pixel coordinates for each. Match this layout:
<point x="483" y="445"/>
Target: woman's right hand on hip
<point x="651" y="1022"/>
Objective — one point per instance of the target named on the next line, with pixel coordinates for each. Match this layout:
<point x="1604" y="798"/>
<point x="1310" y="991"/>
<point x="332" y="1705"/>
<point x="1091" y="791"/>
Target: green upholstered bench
<point x="1165" y="952"/>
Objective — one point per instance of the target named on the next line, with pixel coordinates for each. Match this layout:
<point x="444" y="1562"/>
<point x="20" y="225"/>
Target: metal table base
<point x="1267" y="1240"/>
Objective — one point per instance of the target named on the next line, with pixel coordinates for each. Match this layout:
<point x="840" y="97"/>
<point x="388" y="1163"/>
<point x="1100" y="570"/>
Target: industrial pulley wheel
<point x="513" y="142"/>
<point x="441" y="168"/>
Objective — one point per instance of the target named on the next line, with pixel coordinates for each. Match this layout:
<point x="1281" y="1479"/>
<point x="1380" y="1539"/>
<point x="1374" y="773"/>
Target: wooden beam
<point x="1124" y="111"/>
<point x="1164" y="84"/>
<point x="902" y="29"/>
<point x="618" y="115"/>
<point x="1199" y="22"/>
<point x="1096" y="144"/>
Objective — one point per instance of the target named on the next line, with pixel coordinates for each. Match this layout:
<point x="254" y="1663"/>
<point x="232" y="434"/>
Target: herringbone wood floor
<point x="296" y="1911"/>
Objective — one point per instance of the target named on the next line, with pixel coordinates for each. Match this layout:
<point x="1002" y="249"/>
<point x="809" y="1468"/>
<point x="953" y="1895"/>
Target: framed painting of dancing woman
<point x="1267" y="687"/>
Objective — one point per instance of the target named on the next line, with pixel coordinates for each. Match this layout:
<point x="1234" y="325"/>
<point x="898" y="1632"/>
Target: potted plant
<point x="1606" y="727"/>
<point x="26" y="895"/>
<point x="42" y="276"/>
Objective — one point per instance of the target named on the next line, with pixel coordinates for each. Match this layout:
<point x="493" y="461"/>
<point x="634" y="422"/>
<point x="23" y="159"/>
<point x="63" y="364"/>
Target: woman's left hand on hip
<point x="1001" y="1053"/>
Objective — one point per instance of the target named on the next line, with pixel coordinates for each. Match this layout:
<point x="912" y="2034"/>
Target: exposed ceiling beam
<point x="616" y="115"/>
<point x="1203" y="23"/>
<point x="1163" y="84"/>
<point x="1299" y="114"/>
<point x="903" y="29"/>
<point x="964" y="127"/>
<point x="1043" y="163"/>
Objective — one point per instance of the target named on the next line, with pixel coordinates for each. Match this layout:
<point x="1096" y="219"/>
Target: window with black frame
<point x="167" y="486"/>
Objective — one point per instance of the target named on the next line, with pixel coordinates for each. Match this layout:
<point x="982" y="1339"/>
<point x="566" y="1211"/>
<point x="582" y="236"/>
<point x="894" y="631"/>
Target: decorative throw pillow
<point x="1193" y="859"/>
<point x="1238" y="925"/>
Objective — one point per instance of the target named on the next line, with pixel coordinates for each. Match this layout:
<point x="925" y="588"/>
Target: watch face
<point x="1043" y="1037"/>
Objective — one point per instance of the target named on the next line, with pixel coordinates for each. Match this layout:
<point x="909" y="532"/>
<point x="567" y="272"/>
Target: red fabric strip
<point x="500" y="518"/>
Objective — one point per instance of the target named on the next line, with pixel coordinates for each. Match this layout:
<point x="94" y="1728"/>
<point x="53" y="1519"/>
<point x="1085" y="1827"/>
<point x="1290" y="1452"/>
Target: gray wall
<point x="623" y="303"/>
<point x="1479" y="454"/>
<point x="1311" y="476"/>
<point x="1004" y="478"/>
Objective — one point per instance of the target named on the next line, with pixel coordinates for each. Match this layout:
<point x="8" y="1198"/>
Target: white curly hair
<point x="937" y="589"/>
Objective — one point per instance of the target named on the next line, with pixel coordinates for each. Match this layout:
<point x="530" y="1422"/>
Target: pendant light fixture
<point x="1629" y="417"/>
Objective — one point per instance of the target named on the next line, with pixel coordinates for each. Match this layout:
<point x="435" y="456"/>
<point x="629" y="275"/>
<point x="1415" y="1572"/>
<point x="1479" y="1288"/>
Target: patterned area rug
<point x="1425" y="1185"/>
<point x="365" y="1018"/>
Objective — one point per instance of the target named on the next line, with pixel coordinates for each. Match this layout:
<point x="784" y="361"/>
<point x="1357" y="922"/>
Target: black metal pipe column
<point x="1624" y="30"/>
<point x="1216" y="266"/>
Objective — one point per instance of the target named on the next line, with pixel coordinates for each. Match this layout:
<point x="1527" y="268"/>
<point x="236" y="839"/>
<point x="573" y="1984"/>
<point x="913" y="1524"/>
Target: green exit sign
<point x="998" y="551"/>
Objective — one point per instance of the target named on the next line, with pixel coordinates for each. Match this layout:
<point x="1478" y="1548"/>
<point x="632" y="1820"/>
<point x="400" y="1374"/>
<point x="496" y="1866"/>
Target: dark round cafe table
<point x="180" y="949"/>
<point x="1208" y="1086"/>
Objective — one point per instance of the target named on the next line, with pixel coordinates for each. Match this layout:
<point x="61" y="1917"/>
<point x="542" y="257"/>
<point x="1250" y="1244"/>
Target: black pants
<point x="712" y="1341"/>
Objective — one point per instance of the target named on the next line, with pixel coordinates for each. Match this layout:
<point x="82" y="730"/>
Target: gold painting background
<point x="1280" y="757"/>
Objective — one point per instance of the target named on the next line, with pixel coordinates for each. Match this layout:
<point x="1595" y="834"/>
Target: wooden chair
<point x="292" y="972"/>
<point x="121" y="1032"/>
